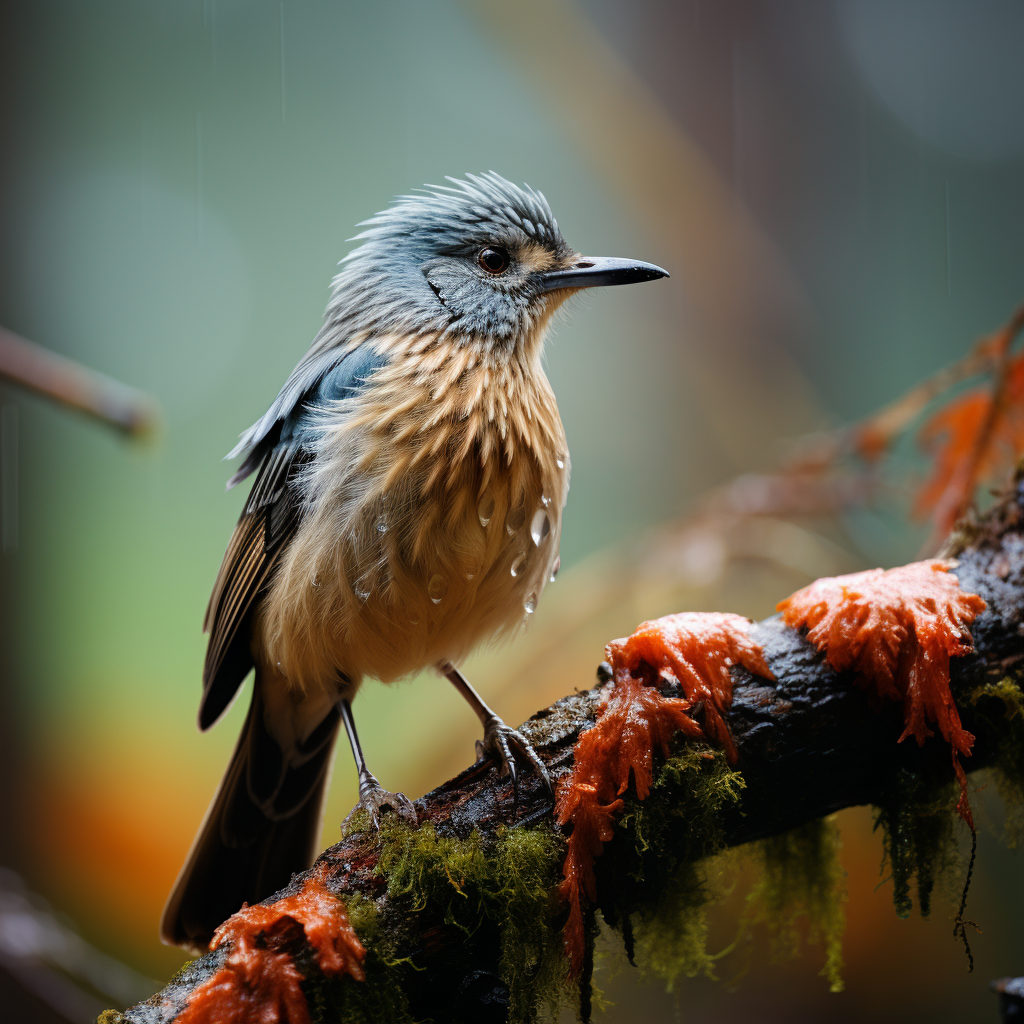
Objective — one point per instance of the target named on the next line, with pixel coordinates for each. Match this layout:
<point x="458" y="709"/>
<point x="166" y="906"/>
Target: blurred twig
<point x="70" y="384"/>
<point x="54" y="962"/>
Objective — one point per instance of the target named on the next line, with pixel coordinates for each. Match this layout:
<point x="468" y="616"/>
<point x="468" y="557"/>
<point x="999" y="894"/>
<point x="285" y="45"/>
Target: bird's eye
<point x="493" y="260"/>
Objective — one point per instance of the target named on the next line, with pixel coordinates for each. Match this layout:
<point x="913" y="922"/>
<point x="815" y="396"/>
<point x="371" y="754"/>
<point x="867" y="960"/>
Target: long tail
<point x="262" y="826"/>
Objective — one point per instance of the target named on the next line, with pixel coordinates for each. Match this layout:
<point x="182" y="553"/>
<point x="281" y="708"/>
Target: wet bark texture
<point x="809" y="744"/>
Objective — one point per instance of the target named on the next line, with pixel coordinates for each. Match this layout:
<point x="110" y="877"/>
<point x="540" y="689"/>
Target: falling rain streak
<point x="282" y="63"/>
<point x="199" y="178"/>
<point x="949" y="251"/>
<point x="9" y="476"/>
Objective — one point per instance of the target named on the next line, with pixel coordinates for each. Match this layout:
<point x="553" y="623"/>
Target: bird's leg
<point x="500" y="740"/>
<point x="373" y="797"/>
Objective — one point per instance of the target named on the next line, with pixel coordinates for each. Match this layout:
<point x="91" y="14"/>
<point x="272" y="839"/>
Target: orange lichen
<point x="259" y="980"/>
<point x="897" y="630"/>
<point x="694" y="649"/>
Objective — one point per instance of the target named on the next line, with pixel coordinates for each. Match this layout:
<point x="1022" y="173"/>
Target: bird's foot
<point x="505" y="744"/>
<point x="375" y="799"/>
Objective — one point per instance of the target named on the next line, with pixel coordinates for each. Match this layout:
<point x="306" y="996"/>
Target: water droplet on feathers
<point x="555" y="568"/>
<point x="540" y="527"/>
<point x="514" y="520"/>
<point x="382" y="524"/>
<point x="560" y="463"/>
<point x="485" y="509"/>
<point x="437" y="588"/>
<point x="530" y="604"/>
<point x="519" y="563"/>
<point x="545" y="500"/>
<point x="363" y="587"/>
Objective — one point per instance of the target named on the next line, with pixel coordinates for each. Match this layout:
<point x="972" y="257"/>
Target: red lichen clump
<point x="259" y="981"/>
<point x="897" y="630"/>
<point x="694" y="649"/>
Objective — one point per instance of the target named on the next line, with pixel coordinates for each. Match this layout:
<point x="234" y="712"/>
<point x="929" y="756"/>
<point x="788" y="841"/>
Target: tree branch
<point x="70" y="384"/>
<point x="808" y="744"/>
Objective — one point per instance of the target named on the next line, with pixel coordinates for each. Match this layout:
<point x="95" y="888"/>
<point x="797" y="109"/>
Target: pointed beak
<point x="598" y="271"/>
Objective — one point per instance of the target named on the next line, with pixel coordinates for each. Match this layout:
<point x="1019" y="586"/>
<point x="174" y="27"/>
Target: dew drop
<point x="363" y="587"/>
<point x="437" y="588"/>
<point x="540" y="527"/>
<point x="485" y="509"/>
<point x="519" y="563"/>
<point x="531" y="604"/>
<point x="555" y="568"/>
<point x="514" y="520"/>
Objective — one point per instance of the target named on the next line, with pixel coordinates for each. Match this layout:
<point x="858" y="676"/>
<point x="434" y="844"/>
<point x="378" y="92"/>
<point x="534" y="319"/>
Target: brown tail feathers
<point x="261" y="827"/>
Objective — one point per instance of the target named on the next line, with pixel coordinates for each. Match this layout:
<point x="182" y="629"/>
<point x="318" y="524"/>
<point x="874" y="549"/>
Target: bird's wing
<point x="322" y="359"/>
<point x="270" y="518"/>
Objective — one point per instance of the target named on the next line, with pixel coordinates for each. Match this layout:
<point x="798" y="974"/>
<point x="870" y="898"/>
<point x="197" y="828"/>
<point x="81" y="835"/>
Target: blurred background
<point x="838" y="191"/>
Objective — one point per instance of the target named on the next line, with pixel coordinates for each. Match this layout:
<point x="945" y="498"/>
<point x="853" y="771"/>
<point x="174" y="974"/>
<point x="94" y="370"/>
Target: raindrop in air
<point x="555" y="568"/>
<point x="519" y="563"/>
<point x="540" y="527"/>
<point x="485" y="509"/>
<point x="437" y="588"/>
<point x="514" y="520"/>
<point x="531" y="604"/>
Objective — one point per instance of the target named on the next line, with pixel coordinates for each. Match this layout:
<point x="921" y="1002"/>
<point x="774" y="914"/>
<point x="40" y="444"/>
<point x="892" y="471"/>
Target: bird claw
<point x="375" y="799"/>
<point x="502" y="743"/>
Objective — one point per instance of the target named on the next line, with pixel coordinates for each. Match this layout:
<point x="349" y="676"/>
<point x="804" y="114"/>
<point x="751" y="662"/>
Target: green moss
<point x="659" y="860"/>
<point x="801" y="890"/>
<point x="1004" y="701"/>
<point x="921" y="827"/>
<point x="507" y="885"/>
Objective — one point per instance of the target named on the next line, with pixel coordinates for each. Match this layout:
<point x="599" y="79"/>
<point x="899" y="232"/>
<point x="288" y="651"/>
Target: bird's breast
<point x="433" y="524"/>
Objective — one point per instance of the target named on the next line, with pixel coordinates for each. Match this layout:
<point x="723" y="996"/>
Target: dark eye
<point x="494" y="261"/>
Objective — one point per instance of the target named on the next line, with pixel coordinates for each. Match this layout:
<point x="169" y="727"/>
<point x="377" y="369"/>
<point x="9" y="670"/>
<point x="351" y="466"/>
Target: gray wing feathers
<point x="347" y="370"/>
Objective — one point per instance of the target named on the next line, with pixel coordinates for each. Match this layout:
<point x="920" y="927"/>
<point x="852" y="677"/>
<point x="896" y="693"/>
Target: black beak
<point x="597" y="271"/>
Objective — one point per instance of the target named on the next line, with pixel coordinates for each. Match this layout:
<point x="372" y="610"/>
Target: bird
<point x="407" y="506"/>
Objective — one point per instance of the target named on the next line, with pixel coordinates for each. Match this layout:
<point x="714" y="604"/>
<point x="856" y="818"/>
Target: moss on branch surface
<point x="461" y="918"/>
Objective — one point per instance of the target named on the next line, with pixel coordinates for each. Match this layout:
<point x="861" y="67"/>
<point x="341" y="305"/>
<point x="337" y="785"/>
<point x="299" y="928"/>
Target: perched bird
<point x="407" y="506"/>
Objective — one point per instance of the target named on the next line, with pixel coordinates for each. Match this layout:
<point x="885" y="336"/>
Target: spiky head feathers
<point x="461" y="260"/>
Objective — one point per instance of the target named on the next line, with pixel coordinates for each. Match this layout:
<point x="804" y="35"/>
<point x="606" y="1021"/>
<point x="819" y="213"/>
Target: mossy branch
<point x="460" y="916"/>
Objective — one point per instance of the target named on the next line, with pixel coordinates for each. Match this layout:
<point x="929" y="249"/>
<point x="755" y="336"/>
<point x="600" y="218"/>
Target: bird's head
<point x="480" y="260"/>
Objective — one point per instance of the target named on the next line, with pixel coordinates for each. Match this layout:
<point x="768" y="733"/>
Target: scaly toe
<point x="505" y="745"/>
<point x="375" y="799"/>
